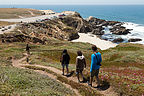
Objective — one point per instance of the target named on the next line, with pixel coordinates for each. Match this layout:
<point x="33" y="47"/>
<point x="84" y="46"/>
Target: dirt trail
<point x="18" y="64"/>
<point x="31" y="13"/>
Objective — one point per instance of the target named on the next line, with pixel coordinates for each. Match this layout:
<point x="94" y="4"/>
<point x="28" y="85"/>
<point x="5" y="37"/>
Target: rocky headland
<point x="64" y="28"/>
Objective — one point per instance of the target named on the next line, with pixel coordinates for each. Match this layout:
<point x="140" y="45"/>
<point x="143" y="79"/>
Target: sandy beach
<point x="92" y="39"/>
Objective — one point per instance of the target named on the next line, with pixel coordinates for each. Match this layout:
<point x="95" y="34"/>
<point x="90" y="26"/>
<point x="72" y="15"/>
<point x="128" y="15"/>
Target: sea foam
<point x="136" y="32"/>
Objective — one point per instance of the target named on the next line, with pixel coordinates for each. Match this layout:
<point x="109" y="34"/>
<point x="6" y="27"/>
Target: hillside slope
<point x="11" y="13"/>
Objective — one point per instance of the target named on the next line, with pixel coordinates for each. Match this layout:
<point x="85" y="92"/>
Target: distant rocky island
<point x="65" y="27"/>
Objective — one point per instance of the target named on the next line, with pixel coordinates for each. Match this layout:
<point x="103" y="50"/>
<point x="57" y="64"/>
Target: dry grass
<point x="7" y="13"/>
<point x="4" y="23"/>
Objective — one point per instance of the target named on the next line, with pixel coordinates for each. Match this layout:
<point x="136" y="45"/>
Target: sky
<point x="73" y="2"/>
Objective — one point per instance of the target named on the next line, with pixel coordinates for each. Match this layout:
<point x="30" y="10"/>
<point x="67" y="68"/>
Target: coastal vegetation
<point x="10" y="13"/>
<point x="122" y="67"/>
<point x="121" y="71"/>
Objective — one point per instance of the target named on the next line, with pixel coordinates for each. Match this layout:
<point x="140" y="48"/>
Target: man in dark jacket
<point x="65" y="58"/>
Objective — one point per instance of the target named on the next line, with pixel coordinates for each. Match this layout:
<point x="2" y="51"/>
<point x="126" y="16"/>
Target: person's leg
<point x="63" y="69"/>
<point x="91" y="79"/>
<point x="97" y="78"/>
<point x="82" y="75"/>
<point x="67" y="68"/>
<point x="77" y="73"/>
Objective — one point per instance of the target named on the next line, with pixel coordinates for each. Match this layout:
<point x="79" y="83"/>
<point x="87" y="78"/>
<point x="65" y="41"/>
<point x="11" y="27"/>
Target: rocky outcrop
<point x="120" y="30"/>
<point x="9" y="38"/>
<point x="63" y="28"/>
<point x="97" y="32"/>
<point x="77" y="22"/>
<point x="118" y="40"/>
<point x="134" y="40"/>
<point x="98" y="24"/>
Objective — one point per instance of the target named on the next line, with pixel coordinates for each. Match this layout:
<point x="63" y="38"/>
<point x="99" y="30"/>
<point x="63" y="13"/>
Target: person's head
<point x="64" y="51"/>
<point x="94" y="48"/>
<point x="79" y="53"/>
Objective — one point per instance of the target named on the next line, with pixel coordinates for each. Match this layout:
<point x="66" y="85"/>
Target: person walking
<point x="95" y="65"/>
<point x="65" y="58"/>
<point x="80" y="65"/>
<point x="28" y="49"/>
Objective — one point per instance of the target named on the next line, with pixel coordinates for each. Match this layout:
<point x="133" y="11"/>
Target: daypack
<point x="98" y="63"/>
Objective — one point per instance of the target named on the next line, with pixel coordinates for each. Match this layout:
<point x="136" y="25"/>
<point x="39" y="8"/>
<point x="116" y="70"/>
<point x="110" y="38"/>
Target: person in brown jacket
<point x="80" y="65"/>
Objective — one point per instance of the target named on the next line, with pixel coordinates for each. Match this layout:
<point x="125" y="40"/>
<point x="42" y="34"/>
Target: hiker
<point x="95" y="65"/>
<point x="80" y="65"/>
<point x="65" y="58"/>
<point x="28" y="49"/>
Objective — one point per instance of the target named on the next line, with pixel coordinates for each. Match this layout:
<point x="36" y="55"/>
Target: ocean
<point x="132" y="15"/>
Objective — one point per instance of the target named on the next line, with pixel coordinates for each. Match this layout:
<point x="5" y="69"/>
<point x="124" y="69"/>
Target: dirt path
<point x="18" y="64"/>
<point x="31" y="13"/>
<point x="31" y="19"/>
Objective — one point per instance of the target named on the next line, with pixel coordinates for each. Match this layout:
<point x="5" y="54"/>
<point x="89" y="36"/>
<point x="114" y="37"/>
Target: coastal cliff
<point x="63" y="28"/>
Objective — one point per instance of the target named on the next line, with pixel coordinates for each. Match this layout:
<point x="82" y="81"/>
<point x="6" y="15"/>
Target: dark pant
<point x="95" y="73"/>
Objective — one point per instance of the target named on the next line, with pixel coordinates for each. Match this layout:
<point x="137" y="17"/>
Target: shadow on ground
<point x="70" y="74"/>
<point x="104" y="86"/>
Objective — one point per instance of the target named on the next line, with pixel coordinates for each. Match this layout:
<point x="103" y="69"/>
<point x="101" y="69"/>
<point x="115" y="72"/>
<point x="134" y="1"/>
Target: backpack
<point x="98" y="63"/>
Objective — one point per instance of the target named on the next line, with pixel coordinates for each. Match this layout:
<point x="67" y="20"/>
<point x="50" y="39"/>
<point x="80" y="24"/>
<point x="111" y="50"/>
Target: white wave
<point x="136" y="32"/>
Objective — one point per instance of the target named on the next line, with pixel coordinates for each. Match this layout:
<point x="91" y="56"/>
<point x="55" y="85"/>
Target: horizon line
<point x="71" y="4"/>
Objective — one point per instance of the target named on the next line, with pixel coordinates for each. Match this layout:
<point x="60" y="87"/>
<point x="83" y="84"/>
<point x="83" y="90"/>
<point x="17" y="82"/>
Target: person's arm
<point x="100" y="58"/>
<point x="92" y="63"/>
<point x="76" y="62"/>
<point x="68" y="57"/>
<point x="61" y="58"/>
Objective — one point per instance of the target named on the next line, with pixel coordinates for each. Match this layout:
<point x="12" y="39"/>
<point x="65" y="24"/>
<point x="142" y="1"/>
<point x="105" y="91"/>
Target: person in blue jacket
<point x="95" y="65"/>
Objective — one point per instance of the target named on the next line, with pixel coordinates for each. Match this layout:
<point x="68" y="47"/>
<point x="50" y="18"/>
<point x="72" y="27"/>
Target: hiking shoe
<point x="84" y="80"/>
<point x="98" y="86"/>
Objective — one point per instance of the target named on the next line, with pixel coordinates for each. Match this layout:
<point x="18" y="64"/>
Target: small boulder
<point x="118" y="40"/>
<point x="134" y="39"/>
<point x="97" y="32"/>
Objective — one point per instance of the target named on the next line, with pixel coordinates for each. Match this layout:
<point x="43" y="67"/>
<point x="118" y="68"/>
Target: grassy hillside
<point x="22" y="82"/>
<point x="122" y="67"/>
<point x="3" y="23"/>
<point x="9" y="13"/>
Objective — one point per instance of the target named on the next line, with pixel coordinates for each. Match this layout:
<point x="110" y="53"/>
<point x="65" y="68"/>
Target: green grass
<point x="123" y="64"/>
<point x="14" y="81"/>
<point x="83" y="90"/>
<point x="122" y="56"/>
<point x="28" y="83"/>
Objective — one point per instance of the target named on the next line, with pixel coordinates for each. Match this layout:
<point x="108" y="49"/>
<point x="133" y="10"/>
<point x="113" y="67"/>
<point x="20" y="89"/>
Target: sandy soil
<point x="92" y="39"/>
<point x="6" y="29"/>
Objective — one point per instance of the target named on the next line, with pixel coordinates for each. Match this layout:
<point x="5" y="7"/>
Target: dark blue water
<point x="124" y="13"/>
